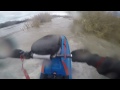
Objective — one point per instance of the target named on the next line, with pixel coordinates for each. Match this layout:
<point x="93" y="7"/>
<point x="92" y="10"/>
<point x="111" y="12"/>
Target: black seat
<point x="47" y="45"/>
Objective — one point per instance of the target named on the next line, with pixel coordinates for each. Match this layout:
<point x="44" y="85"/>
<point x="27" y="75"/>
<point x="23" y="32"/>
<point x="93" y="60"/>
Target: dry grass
<point x="40" y="18"/>
<point x="100" y="23"/>
<point x="37" y="20"/>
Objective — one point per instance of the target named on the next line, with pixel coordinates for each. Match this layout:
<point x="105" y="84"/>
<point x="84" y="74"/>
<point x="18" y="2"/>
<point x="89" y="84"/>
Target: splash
<point x="6" y="47"/>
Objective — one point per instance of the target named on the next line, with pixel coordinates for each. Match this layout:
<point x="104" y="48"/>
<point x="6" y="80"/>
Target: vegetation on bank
<point x="105" y="25"/>
<point x="39" y="19"/>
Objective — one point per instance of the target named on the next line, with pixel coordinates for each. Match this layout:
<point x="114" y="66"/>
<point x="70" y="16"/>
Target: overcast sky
<point x="18" y="15"/>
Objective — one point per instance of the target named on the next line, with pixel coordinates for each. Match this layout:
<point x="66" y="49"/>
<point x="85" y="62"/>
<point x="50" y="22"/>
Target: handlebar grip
<point x="48" y="56"/>
<point x="68" y="56"/>
<point x="41" y="56"/>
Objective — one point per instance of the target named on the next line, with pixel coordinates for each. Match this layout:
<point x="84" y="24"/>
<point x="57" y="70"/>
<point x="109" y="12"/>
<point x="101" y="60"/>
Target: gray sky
<point x="18" y="15"/>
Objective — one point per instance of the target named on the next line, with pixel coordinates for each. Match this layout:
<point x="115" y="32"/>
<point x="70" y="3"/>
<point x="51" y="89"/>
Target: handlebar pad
<point x="47" y="45"/>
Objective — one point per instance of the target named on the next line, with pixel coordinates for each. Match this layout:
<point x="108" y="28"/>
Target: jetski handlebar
<point x="48" y="56"/>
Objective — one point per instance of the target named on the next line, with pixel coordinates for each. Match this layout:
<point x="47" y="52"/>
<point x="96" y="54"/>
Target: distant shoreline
<point x="10" y="23"/>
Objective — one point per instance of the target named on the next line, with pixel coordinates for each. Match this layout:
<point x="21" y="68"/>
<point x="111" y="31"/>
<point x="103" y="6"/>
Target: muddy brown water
<point x="11" y="68"/>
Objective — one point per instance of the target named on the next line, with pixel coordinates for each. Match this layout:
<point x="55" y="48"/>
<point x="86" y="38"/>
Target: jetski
<point x="59" y="66"/>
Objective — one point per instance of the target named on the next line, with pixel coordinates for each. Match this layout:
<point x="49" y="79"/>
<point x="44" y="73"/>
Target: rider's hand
<point x="17" y="53"/>
<point x="80" y="55"/>
<point x="28" y="55"/>
<point x="83" y="55"/>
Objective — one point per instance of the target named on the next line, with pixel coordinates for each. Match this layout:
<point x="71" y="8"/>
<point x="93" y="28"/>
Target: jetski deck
<point x="59" y="67"/>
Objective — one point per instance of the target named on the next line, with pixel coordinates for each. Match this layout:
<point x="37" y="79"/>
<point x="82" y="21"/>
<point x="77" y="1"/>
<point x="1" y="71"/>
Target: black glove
<point x="17" y="53"/>
<point x="83" y="55"/>
<point x="28" y="55"/>
<point x="80" y="55"/>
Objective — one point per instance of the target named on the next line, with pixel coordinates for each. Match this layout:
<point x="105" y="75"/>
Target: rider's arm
<point x="105" y="65"/>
